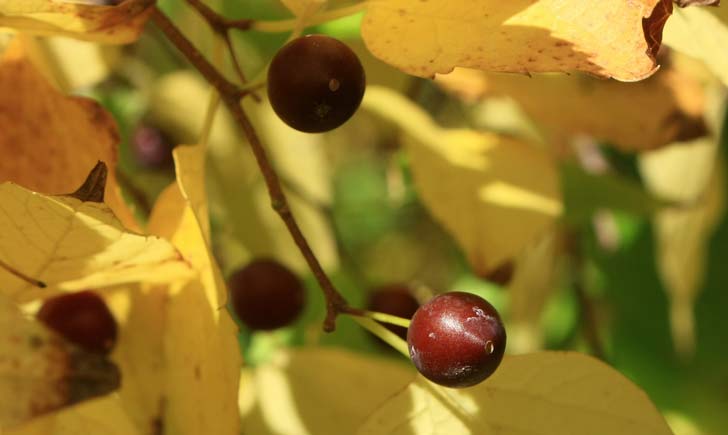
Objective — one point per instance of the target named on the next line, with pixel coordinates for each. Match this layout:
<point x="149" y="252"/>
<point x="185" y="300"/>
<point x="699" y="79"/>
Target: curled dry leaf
<point x="111" y="25"/>
<point x="540" y="394"/>
<point x="665" y="108"/>
<point x="42" y="373"/>
<point x="609" y="38"/>
<point x="686" y="3"/>
<point x="54" y="140"/>
<point x="494" y="194"/>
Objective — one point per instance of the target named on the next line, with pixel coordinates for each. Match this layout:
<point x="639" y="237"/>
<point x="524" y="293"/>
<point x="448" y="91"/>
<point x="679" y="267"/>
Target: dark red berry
<point x="151" y="147"/>
<point x="456" y="339"/>
<point x="82" y="318"/>
<point x="315" y="83"/>
<point x="503" y="274"/>
<point x="394" y="299"/>
<point x="266" y="295"/>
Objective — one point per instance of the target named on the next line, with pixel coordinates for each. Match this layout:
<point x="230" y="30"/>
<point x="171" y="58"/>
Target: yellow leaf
<point x="101" y="416"/>
<point x="494" y="194"/>
<point x="109" y="24"/>
<point x="546" y="393"/>
<point x="668" y="106"/>
<point x="70" y="245"/>
<point x="41" y="373"/>
<point x="611" y="38"/>
<point x="54" y="140"/>
<point x="202" y="360"/>
<point x="304" y="8"/>
<point x="302" y="392"/>
<point x="535" y="279"/>
<point x="693" y="174"/>
<point x="700" y="34"/>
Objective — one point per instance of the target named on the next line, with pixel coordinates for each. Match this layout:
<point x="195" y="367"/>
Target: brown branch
<point x="230" y="96"/>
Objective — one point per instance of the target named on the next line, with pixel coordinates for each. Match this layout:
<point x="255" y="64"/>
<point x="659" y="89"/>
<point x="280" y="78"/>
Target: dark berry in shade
<point x="151" y="147"/>
<point x="456" y="339"/>
<point x="81" y="318"/>
<point x="266" y="295"/>
<point x="501" y="275"/>
<point x="315" y="83"/>
<point x="394" y="299"/>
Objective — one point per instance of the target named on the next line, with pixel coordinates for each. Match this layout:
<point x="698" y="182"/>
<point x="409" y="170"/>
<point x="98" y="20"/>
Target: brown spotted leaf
<point x="41" y="373"/>
<point x="608" y="38"/>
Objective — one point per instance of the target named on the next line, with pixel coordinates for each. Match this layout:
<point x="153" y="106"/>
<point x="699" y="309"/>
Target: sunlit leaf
<point x="611" y="38"/>
<point x="71" y="244"/>
<point x="539" y="394"/>
<point x="493" y="193"/>
<point x="700" y="34"/>
<point x="303" y="391"/>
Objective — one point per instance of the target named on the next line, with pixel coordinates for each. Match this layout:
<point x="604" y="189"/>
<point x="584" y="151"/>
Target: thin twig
<point x="230" y="96"/>
<point x="22" y="276"/>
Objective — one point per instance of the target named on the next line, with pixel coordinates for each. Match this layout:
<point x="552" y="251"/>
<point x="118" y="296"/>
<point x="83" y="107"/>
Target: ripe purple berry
<point x="456" y="339"/>
<point x="266" y="295"/>
<point x="151" y="147"/>
<point x="82" y="318"/>
<point x="315" y="83"/>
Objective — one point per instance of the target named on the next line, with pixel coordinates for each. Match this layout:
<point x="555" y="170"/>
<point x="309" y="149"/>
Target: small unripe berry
<point x="81" y="318"/>
<point x="266" y="295"/>
<point x="456" y="339"/>
<point x="315" y="83"/>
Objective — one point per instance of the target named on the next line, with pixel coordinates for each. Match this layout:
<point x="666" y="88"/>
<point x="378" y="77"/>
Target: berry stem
<point x="24" y="277"/>
<point x="230" y="96"/>
<point x="279" y="26"/>
<point x="379" y="317"/>
<point x="383" y="333"/>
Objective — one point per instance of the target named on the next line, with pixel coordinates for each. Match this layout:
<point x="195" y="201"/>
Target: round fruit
<point x="456" y="339"/>
<point x="394" y="299"/>
<point x="151" y="147"/>
<point x="503" y="274"/>
<point x="82" y="318"/>
<point x="315" y="83"/>
<point x="266" y="295"/>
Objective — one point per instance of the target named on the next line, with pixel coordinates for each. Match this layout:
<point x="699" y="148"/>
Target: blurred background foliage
<point x="354" y="193"/>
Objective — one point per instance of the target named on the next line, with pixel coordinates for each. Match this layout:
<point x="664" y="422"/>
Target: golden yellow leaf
<point x="301" y="392"/>
<point x="692" y="174"/>
<point x="201" y="357"/>
<point x="54" y="140"/>
<point x="545" y="393"/>
<point x="100" y="416"/>
<point x="70" y="245"/>
<point x="494" y="194"/>
<point x="700" y="34"/>
<point x="41" y="373"/>
<point x="666" y="107"/>
<point x="109" y="24"/>
<point x="611" y="38"/>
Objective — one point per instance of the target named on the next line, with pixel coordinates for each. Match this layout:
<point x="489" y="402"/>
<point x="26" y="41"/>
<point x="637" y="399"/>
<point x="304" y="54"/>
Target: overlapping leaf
<point x="54" y="140"/>
<point x="610" y="38"/>
<point x="72" y="245"/>
<point x="109" y="24"/>
<point x="494" y="194"/>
